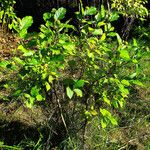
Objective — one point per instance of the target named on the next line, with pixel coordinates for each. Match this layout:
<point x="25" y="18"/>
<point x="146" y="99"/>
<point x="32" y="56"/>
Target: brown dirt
<point x="8" y="44"/>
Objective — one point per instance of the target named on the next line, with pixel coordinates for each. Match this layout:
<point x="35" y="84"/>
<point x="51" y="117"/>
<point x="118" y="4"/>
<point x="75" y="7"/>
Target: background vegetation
<point x="81" y="81"/>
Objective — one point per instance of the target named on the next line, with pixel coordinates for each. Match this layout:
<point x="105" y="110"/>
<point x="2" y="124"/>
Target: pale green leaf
<point x="124" y="54"/>
<point x="94" y="112"/>
<point x="50" y="79"/>
<point x="137" y="82"/>
<point x="90" y="11"/>
<point x="78" y="92"/>
<point x="102" y="11"/>
<point x="125" y="82"/>
<point x="69" y="92"/>
<point x="113" y="120"/>
<point x="114" y="16"/>
<point x="48" y="87"/>
<point x="39" y="97"/>
<point x="97" y="32"/>
<point x="103" y="124"/>
<point x="103" y="37"/>
<point x="60" y="13"/>
<point x="119" y="39"/>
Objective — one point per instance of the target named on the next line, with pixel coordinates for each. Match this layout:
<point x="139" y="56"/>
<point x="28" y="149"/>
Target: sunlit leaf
<point x="105" y="112"/>
<point x="119" y="39"/>
<point x="25" y="23"/>
<point x="48" y="87"/>
<point x="97" y="32"/>
<point x="114" y="16"/>
<point x="78" y="92"/>
<point x="137" y="82"/>
<point x="113" y="120"/>
<point x="103" y="124"/>
<point x="124" y="54"/>
<point x="103" y="37"/>
<point x="69" y="92"/>
<point x="39" y="97"/>
<point x="125" y="82"/>
<point x="90" y="11"/>
<point x="60" y="13"/>
<point x="50" y="79"/>
<point x="102" y="11"/>
<point x="47" y="16"/>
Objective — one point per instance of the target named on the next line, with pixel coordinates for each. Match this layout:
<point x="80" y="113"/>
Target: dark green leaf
<point x="79" y="83"/>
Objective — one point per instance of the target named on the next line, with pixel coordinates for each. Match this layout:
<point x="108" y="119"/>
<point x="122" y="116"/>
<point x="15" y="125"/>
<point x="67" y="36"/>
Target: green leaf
<point x="47" y="16"/>
<point x="114" y="16"/>
<point x="39" y="97"/>
<point x="4" y="64"/>
<point x="137" y="82"/>
<point x="17" y="93"/>
<point x="119" y="39"/>
<point x="70" y="47"/>
<point x="28" y="53"/>
<point x="50" y="79"/>
<point x="102" y="11"/>
<point x="105" y="98"/>
<point x="113" y="120"/>
<point x="48" y="87"/>
<point x="19" y="61"/>
<point x="135" y="42"/>
<point x="79" y="83"/>
<point x="133" y="75"/>
<point x="90" y="11"/>
<point x="124" y="54"/>
<point x="112" y="34"/>
<point x="105" y="112"/>
<point x="27" y="95"/>
<point x="125" y="82"/>
<point x="103" y="37"/>
<point x="97" y="32"/>
<point x="35" y="91"/>
<point x="102" y="23"/>
<point x="98" y="17"/>
<point x="93" y="111"/>
<point x="60" y="13"/>
<point x="25" y="51"/>
<point x="124" y="91"/>
<point x="103" y="124"/>
<point x="78" y="92"/>
<point x="30" y="102"/>
<point x="25" y="23"/>
<point x="69" y="92"/>
<point x="121" y="102"/>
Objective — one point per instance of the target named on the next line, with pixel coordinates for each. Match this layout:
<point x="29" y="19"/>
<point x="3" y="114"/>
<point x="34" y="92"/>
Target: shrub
<point x="80" y="76"/>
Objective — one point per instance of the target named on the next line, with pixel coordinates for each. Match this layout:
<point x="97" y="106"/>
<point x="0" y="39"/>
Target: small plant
<point x="7" y="14"/>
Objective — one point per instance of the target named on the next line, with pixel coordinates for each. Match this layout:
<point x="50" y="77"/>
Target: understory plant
<point x="78" y="76"/>
<point x="7" y="14"/>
